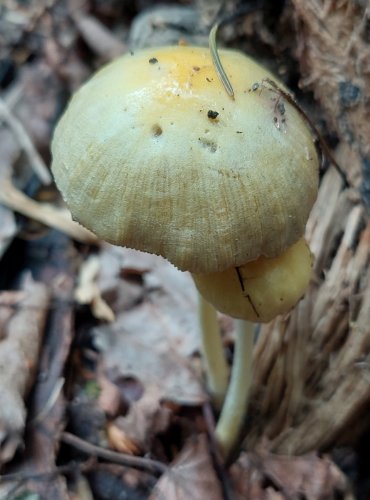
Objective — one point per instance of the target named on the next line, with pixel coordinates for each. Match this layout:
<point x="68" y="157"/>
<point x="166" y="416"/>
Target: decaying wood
<point x="46" y="407"/>
<point x="22" y="319"/>
<point x="334" y="55"/>
<point x="312" y="368"/>
<point x="277" y="477"/>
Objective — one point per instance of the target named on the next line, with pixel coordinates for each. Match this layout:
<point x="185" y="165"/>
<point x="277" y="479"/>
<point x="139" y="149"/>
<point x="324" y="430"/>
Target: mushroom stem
<point x="232" y="418"/>
<point x="216" y="368"/>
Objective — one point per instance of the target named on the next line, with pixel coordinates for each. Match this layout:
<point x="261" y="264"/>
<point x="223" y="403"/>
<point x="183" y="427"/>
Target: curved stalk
<point x="216" y="368"/>
<point x="232" y="418"/>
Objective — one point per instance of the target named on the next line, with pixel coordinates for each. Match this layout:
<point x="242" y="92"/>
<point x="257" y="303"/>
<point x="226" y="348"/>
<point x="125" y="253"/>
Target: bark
<point x="312" y="368"/>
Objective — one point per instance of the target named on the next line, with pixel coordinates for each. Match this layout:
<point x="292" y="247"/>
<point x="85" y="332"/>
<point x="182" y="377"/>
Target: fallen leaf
<point x="139" y="348"/>
<point x="21" y="338"/>
<point x="120" y="441"/>
<point x="264" y="475"/>
<point x="155" y="339"/>
<point x="150" y="343"/>
<point x="118" y="290"/>
<point x="309" y="476"/>
<point x="145" y="419"/>
<point x="191" y="476"/>
<point x="168" y="296"/>
<point x="110" y="398"/>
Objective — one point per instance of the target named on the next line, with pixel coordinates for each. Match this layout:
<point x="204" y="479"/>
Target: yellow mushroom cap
<point x="262" y="289"/>
<point x="153" y="154"/>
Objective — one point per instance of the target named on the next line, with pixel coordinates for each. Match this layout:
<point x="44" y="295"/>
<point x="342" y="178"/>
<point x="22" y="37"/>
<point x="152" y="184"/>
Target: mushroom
<point x="261" y="289"/>
<point x="258" y="291"/>
<point x="153" y="154"/>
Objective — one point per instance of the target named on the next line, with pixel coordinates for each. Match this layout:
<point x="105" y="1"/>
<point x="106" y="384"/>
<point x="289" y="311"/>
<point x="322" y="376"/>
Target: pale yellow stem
<point x="230" y="425"/>
<point x="216" y="368"/>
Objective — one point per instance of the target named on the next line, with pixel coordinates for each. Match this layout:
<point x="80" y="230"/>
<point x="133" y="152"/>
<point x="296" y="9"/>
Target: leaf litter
<point x="260" y="475"/>
<point x="152" y="344"/>
<point x="142" y="311"/>
<point x="191" y="475"/>
<point x="22" y="320"/>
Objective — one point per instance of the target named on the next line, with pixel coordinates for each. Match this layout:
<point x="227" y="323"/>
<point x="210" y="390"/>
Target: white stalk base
<point x="231" y="421"/>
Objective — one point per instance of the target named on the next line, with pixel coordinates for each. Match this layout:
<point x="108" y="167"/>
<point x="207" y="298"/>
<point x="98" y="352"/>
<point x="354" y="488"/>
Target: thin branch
<point x="147" y="464"/>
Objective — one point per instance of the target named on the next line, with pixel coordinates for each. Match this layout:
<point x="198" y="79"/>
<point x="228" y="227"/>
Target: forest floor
<point x="102" y="393"/>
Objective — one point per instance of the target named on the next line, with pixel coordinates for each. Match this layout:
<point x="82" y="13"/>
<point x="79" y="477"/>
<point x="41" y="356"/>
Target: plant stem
<point x="216" y="368"/>
<point x="230" y="425"/>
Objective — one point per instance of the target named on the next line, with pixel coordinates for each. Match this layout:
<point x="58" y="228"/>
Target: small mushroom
<point x="258" y="291"/>
<point x="261" y="289"/>
<point x="142" y="163"/>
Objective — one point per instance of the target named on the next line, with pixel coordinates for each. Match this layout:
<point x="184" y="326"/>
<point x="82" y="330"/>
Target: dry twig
<point x="45" y="213"/>
<point x="147" y="464"/>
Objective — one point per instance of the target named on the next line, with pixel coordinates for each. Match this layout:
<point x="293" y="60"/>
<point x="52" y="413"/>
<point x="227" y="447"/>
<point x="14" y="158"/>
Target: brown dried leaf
<point x="191" y="476"/>
<point x="120" y="293"/>
<point x="154" y="340"/>
<point x="139" y="348"/>
<point x="120" y="441"/>
<point x="47" y="404"/>
<point x="168" y="297"/>
<point x="19" y="349"/>
<point x="264" y="475"/>
<point x="110" y="399"/>
<point x="150" y="344"/>
<point x="145" y="419"/>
